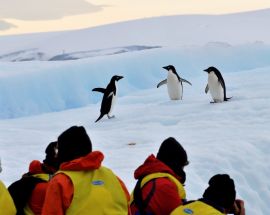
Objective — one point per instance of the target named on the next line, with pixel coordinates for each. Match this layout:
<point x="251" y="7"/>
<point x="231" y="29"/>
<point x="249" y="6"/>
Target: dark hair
<point x="174" y="156"/>
<point x="73" y="143"/>
<point x="221" y="191"/>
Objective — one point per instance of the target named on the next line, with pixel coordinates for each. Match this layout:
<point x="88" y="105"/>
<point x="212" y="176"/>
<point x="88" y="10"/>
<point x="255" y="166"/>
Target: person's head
<point x="221" y="191"/>
<point x="51" y="159"/>
<point x="174" y="156"/>
<point x="73" y="143"/>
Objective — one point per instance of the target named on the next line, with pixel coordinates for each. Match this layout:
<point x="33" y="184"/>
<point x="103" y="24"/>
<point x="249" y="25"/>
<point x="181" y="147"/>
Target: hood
<point x="91" y="161"/>
<point x="152" y="165"/>
<point x="36" y="167"/>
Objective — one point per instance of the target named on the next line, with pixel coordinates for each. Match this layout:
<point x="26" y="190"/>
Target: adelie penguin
<point x="174" y="83"/>
<point x="216" y="85"/>
<point x="109" y="97"/>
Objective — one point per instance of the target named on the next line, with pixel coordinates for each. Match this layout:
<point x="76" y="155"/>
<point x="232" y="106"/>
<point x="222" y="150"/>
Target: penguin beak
<point x="165" y="67"/>
<point x="206" y="70"/>
<point x="120" y="77"/>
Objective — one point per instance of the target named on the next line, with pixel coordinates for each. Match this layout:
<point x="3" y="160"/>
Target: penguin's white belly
<point x="174" y="88"/>
<point x="215" y="88"/>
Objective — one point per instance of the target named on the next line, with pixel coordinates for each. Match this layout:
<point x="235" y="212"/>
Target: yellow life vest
<point x="196" y="208"/>
<point x="46" y="177"/>
<point x="43" y="176"/>
<point x="96" y="192"/>
<point x="180" y="188"/>
<point x="7" y="206"/>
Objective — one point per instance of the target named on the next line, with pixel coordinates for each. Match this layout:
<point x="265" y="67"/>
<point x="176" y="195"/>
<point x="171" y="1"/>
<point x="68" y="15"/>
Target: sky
<point x="29" y="16"/>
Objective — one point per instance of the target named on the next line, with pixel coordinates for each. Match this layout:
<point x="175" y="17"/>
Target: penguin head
<point x="116" y="78"/>
<point x="210" y="69"/>
<point x="169" y="67"/>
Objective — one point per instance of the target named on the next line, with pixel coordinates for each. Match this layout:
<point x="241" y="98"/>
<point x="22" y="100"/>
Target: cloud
<point x="5" y="25"/>
<point x="30" y="10"/>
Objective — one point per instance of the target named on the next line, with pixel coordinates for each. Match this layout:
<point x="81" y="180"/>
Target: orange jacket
<point x="60" y="190"/>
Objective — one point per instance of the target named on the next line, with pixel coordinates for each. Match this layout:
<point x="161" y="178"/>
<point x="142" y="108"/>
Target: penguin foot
<point x="109" y="117"/>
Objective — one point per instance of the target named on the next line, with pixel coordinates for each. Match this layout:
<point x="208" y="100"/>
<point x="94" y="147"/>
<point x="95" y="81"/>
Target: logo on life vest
<point x="98" y="182"/>
<point x="188" y="211"/>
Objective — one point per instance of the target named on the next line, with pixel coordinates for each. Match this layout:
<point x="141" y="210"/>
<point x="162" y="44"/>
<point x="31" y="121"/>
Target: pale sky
<point x="28" y="16"/>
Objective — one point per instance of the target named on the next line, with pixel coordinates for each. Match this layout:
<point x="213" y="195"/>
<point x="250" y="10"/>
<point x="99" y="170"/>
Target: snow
<point x="41" y="99"/>
<point x="55" y="86"/>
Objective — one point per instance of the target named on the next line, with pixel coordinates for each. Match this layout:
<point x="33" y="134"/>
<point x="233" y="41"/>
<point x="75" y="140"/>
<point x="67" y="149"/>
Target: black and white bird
<point x="109" y="97"/>
<point x="174" y="83"/>
<point x="216" y="85"/>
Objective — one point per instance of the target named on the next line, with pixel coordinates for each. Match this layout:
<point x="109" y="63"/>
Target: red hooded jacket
<point x="38" y="194"/>
<point x="165" y="197"/>
<point x="60" y="191"/>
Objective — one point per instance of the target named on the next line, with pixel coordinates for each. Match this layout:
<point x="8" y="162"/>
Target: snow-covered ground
<point x="28" y="88"/>
<point x="40" y="99"/>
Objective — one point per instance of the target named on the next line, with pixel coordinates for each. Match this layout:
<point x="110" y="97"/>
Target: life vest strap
<point x="138" y="198"/>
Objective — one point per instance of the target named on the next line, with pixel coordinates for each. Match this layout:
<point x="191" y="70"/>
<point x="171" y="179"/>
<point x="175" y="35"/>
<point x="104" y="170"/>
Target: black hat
<point x="173" y="155"/>
<point x="51" y="159"/>
<point x="73" y="143"/>
<point x="221" y="191"/>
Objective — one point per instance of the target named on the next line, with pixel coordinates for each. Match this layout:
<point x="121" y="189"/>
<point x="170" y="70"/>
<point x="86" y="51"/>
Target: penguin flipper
<point x="161" y="83"/>
<point x="184" y="80"/>
<point x="206" y="89"/>
<point x="99" y="89"/>
<point x="101" y="115"/>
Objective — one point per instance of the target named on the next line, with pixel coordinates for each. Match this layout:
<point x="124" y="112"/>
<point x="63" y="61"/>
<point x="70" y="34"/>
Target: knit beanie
<point x="51" y="159"/>
<point x="174" y="156"/>
<point x="221" y="191"/>
<point x="73" y="143"/>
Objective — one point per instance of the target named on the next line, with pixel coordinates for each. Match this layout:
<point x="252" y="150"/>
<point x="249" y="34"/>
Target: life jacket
<point x="45" y="178"/>
<point x="21" y="191"/>
<point x="196" y="208"/>
<point x="7" y="206"/>
<point x="96" y="192"/>
<point x="136" y="196"/>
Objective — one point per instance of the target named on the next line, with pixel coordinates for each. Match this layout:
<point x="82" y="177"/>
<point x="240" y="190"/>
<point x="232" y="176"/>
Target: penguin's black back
<point x="107" y="98"/>
<point x="221" y="81"/>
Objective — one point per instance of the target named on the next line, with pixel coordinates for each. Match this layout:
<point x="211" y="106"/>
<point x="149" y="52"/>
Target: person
<point x="7" y="206"/>
<point x="160" y="181"/>
<point x="218" y="199"/>
<point x="82" y="185"/>
<point x="29" y="192"/>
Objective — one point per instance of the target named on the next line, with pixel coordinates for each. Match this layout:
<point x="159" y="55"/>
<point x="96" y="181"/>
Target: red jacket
<point x="38" y="194"/>
<point x="60" y="191"/>
<point x="165" y="198"/>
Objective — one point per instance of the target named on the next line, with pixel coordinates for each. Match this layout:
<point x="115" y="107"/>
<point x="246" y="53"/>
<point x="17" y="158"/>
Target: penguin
<point x="174" y="83"/>
<point x="109" y="97"/>
<point x="216" y="85"/>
